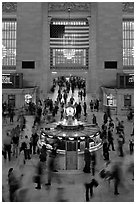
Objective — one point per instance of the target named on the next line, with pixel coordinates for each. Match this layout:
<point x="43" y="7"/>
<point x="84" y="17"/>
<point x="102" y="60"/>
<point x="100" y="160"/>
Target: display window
<point x="111" y="100"/>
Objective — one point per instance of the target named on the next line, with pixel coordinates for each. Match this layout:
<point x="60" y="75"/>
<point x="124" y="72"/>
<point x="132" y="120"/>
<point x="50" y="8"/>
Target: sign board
<point x="7" y="81"/>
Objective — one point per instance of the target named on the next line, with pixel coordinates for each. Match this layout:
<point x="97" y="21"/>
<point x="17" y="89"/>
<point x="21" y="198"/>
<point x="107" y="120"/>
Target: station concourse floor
<point x="71" y="187"/>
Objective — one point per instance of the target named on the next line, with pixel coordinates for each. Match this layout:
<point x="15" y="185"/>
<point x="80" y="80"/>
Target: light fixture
<point x="82" y="138"/>
<point x="68" y="40"/>
<point x="71" y="138"/>
<point x="50" y="136"/>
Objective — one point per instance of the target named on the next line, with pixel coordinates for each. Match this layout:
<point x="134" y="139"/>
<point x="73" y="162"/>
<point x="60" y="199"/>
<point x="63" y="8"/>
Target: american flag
<point x="69" y="34"/>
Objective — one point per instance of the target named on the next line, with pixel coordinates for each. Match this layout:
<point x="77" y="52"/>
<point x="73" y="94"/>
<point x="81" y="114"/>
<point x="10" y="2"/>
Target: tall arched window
<point x="128" y="43"/>
<point x="9" y="27"/>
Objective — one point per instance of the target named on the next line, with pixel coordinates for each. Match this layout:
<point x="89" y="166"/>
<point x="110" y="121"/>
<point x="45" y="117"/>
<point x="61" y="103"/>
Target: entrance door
<point x="71" y="155"/>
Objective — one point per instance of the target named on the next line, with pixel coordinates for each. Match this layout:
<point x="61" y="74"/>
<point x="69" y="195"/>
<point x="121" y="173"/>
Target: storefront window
<point x="28" y="98"/>
<point x="111" y="100"/>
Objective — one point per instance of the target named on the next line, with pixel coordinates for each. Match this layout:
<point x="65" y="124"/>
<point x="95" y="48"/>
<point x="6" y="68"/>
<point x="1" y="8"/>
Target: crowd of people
<point x="23" y="147"/>
<point x="72" y="82"/>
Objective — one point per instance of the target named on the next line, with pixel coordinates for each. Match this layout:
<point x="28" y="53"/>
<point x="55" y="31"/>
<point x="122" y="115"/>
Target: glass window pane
<point x="9" y="42"/>
<point x="128" y="44"/>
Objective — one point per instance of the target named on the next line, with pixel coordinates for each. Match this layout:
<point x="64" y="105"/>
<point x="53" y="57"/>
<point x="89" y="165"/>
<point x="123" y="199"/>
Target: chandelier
<point x="68" y="40"/>
<point x="69" y="53"/>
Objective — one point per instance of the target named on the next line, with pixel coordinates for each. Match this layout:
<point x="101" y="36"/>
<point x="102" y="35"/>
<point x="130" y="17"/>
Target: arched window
<point x="128" y="43"/>
<point x="9" y="27"/>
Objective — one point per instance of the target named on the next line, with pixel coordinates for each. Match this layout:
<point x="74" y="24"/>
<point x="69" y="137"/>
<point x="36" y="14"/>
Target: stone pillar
<point x="46" y="74"/>
<point x="92" y="75"/>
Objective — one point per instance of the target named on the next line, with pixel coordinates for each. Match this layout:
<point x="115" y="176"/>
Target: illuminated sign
<point x="28" y="98"/>
<point x="6" y="79"/>
<point x="131" y="79"/>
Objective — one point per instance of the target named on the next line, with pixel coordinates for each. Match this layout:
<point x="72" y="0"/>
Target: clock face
<point x="70" y="111"/>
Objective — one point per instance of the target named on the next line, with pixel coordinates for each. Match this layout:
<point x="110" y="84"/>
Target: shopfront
<point x="19" y="98"/>
<point x="119" y="100"/>
<point x="110" y="99"/>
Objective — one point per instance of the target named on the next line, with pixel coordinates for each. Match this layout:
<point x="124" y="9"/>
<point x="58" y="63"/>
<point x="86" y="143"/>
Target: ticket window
<point x="11" y="100"/>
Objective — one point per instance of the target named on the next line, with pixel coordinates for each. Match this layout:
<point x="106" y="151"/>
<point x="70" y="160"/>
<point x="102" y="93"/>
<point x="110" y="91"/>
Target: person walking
<point x="34" y="140"/>
<point x="105" y="150"/>
<point x="15" y="141"/>
<point x="121" y="127"/>
<point x="91" y="105"/>
<point x="89" y="187"/>
<point x="116" y="174"/>
<point x="11" y="115"/>
<point x="27" y="148"/>
<point x="7" y="146"/>
<point x="51" y="164"/>
<point x="110" y="139"/>
<point x="87" y="160"/>
<point x="81" y="95"/>
<point x="131" y="144"/>
<point x="14" y="184"/>
<point x="93" y="162"/>
<point x="84" y="93"/>
<point x="79" y="110"/>
<point x="105" y="118"/>
<point x="121" y="142"/>
<point x="39" y="173"/>
<point x="85" y="108"/>
<point x="97" y="105"/>
<point x="94" y="120"/>
<point x="61" y="112"/>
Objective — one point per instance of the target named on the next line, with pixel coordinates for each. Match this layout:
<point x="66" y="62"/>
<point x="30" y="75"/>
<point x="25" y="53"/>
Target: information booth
<point x="72" y="137"/>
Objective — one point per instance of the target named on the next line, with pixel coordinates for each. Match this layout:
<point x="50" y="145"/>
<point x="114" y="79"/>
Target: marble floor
<point x="71" y="186"/>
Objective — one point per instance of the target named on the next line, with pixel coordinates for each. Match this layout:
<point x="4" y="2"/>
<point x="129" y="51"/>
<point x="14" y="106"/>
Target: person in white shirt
<point x="26" y="143"/>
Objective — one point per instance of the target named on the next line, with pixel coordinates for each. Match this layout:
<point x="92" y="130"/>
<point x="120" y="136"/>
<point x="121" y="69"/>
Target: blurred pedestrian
<point x="105" y="150"/>
<point x="110" y="139"/>
<point x="89" y="187"/>
<point x="7" y="146"/>
<point x="87" y="160"/>
<point x="91" y="105"/>
<point x="105" y="118"/>
<point x="131" y="144"/>
<point x="93" y="162"/>
<point x="94" y="120"/>
<point x="11" y="115"/>
<point x="117" y="125"/>
<point x="51" y="163"/>
<point x="116" y="175"/>
<point x="85" y="108"/>
<point x="14" y="184"/>
<point x="15" y="141"/>
<point x="39" y="173"/>
<point x="121" y="142"/>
